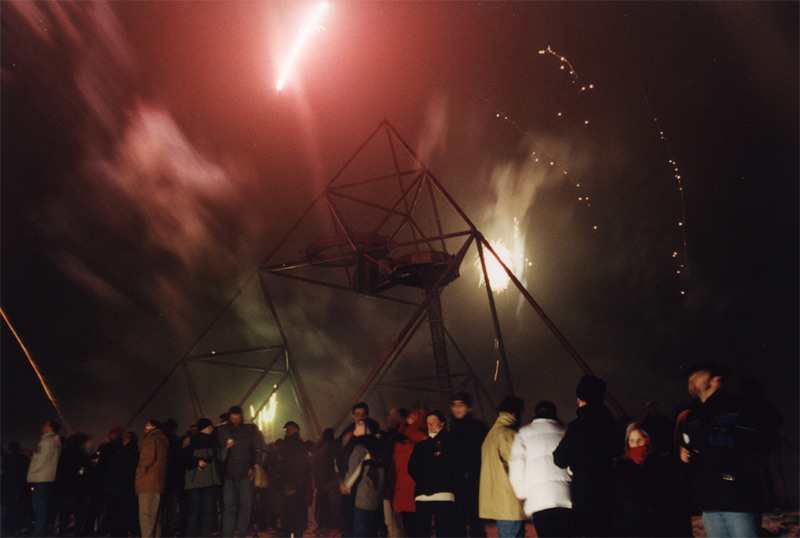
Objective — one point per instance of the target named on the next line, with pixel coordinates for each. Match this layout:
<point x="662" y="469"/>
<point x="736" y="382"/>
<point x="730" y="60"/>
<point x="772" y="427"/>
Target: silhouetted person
<point x="16" y="492"/>
<point x="468" y="434"/>
<point x="71" y="484"/>
<point x="588" y="449"/>
<point x="660" y="428"/>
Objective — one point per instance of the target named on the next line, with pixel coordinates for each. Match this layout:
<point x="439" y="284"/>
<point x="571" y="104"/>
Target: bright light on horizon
<point x="305" y="33"/>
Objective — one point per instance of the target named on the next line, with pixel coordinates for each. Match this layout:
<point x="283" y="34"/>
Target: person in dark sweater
<point x="588" y="449"/>
<point x="468" y="435"/>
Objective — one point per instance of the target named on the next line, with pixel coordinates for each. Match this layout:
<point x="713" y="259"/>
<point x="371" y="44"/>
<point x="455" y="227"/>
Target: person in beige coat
<point x="497" y="499"/>
<point x="151" y="477"/>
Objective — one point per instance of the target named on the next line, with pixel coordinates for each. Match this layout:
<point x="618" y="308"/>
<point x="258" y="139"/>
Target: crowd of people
<point x="423" y="473"/>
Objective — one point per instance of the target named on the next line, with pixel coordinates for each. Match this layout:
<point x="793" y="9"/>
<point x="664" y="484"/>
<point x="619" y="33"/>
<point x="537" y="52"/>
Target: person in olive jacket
<point x="151" y="477"/>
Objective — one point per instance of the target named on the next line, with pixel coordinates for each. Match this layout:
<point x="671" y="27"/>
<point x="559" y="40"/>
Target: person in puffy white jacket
<point x="544" y="487"/>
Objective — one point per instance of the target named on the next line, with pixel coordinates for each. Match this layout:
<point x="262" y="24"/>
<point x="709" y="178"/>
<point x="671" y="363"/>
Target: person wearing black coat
<point x="468" y="435"/>
<point x="123" y="506"/>
<point x="588" y="449"/>
<point x="71" y="484"/>
<point x="432" y="467"/>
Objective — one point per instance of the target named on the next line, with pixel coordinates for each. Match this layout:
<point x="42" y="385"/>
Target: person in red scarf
<point x="644" y="487"/>
<point x="411" y="432"/>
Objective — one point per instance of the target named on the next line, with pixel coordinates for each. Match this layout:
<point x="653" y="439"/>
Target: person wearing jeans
<point x="42" y="474"/>
<point x="241" y="448"/>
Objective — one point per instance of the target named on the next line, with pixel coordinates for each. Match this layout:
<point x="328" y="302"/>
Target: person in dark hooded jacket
<point x="201" y="479"/>
<point x="588" y="449"/>
<point x="365" y="478"/>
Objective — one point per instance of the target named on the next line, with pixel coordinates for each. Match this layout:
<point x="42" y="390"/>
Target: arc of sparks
<point x="305" y="33"/>
<point x="36" y="370"/>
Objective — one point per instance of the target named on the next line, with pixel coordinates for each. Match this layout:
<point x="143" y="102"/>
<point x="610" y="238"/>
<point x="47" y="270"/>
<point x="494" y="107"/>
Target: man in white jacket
<point x="544" y="487"/>
<point x="42" y="473"/>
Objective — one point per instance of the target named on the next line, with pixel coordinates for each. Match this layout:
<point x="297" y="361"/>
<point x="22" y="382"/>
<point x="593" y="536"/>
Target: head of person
<point x="397" y="416"/>
<point x="460" y="405"/>
<point x="328" y="435"/>
<point x="545" y="409"/>
<point x="115" y="433"/>
<point x="436" y="422"/>
<point x="653" y="408"/>
<point x="205" y="426"/>
<point x="704" y="379"/>
<point x="590" y="390"/>
<point x="637" y="443"/>
<point x="235" y="415"/>
<point x="130" y="438"/>
<point x="360" y="411"/>
<point x="291" y="428"/>
<point x="51" y="426"/>
<point x="152" y="424"/>
<point x="512" y="405"/>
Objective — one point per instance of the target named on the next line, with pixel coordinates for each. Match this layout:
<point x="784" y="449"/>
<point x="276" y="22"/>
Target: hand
<point x="344" y="490"/>
<point x="202" y="464"/>
<point x="686" y="454"/>
<point x="231" y="442"/>
<point x="186" y="442"/>
<point x="251" y="474"/>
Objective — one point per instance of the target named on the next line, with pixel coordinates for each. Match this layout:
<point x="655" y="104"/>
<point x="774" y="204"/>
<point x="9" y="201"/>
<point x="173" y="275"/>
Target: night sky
<point x="149" y="166"/>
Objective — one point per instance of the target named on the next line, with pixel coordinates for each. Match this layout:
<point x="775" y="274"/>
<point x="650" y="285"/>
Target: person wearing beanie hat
<point x="241" y="447"/>
<point x="468" y="435"/>
<point x="591" y="389"/>
<point x="588" y="449"/>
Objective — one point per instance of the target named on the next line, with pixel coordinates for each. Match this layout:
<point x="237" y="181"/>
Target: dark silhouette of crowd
<point x="424" y="473"/>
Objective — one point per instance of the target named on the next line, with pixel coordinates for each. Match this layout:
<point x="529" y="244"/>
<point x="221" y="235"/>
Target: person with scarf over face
<point x="644" y="489"/>
<point x="365" y="477"/>
<point x="412" y="431"/>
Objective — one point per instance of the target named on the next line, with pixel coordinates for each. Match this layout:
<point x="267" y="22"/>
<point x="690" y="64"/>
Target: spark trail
<point x="305" y="33"/>
<point x="35" y="369"/>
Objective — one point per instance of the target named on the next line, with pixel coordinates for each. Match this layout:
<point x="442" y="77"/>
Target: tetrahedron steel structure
<point x="384" y="228"/>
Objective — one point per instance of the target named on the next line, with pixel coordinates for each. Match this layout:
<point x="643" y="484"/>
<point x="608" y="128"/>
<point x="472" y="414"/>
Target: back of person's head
<point x="545" y="409"/>
<point x="76" y="440"/>
<point x="234" y="410"/>
<point x="361" y="405"/>
<point x="134" y="439"/>
<point x="591" y="389"/>
<point x="55" y="426"/>
<point x="713" y="368"/>
<point x="511" y="404"/>
<point x="155" y="423"/>
<point x="328" y="434"/>
<point x="462" y="397"/>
